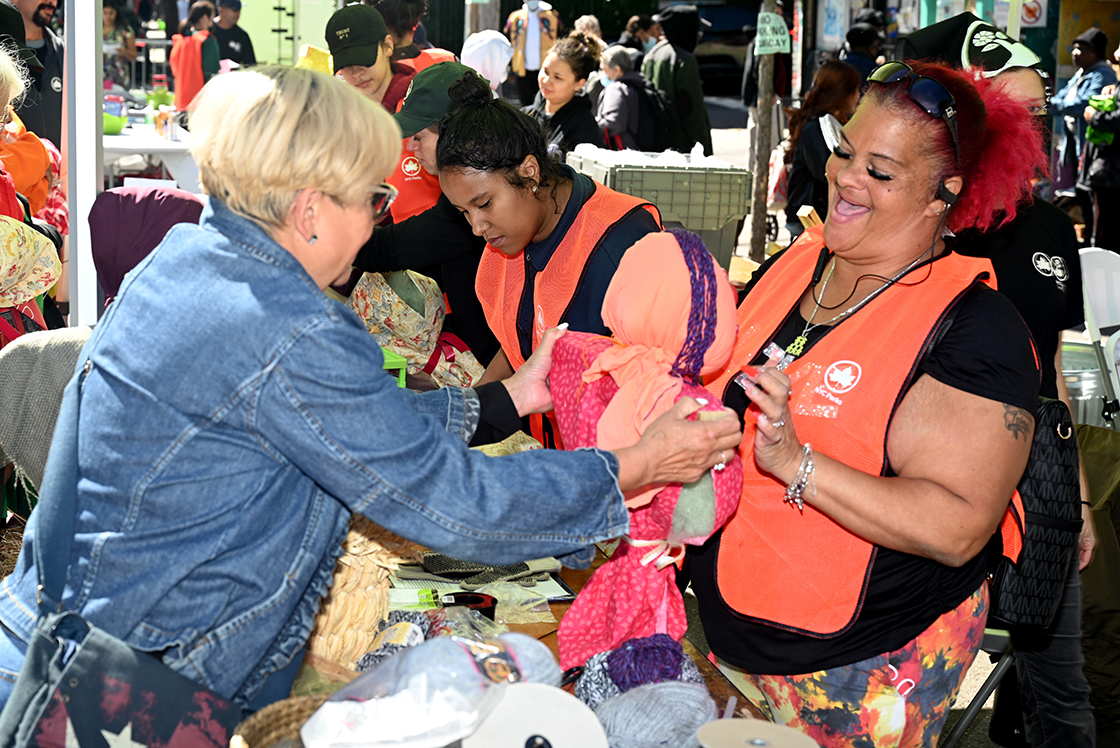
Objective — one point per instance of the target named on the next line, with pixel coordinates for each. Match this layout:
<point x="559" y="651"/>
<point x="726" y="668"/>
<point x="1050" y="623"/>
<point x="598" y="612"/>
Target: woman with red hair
<point x="887" y="395"/>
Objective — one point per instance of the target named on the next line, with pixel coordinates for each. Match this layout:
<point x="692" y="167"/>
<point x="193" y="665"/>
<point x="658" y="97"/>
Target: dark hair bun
<point x="470" y="90"/>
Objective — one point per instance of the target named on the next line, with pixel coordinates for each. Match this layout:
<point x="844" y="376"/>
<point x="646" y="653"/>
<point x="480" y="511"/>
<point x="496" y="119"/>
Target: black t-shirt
<point x="234" y="44"/>
<point x="1038" y="268"/>
<point x="985" y="351"/>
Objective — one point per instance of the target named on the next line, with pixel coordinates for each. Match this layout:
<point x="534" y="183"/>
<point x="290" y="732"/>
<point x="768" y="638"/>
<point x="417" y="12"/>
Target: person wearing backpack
<point x="672" y="67"/>
<point x="632" y="113"/>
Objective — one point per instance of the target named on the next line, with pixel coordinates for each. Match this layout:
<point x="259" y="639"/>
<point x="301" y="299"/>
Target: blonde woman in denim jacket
<point x="232" y="417"/>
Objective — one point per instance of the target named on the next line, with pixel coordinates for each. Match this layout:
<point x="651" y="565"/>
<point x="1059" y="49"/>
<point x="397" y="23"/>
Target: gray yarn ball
<point x="657" y="715"/>
<point x="595" y="685"/>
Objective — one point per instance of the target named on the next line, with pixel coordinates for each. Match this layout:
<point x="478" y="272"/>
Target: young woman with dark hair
<point x="888" y="396"/>
<point x="554" y="237"/>
<point x="831" y="100"/>
<point x="561" y="107"/>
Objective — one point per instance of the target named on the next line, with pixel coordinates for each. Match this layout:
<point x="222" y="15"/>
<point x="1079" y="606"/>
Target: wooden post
<point x="762" y="150"/>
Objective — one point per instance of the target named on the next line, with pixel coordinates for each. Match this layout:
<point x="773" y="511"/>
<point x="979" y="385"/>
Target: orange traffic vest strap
<point x="186" y="66"/>
<point x="501" y="278"/>
<point x="805" y="573"/>
<point x="427" y="58"/>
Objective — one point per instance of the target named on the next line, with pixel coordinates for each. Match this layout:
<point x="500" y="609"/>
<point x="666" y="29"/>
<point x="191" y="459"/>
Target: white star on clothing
<point x="123" y="740"/>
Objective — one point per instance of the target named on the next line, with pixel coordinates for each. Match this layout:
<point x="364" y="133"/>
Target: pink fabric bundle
<point x="606" y="392"/>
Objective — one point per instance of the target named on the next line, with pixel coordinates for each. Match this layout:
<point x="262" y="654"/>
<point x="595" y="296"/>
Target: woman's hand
<point x="528" y="387"/>
<point x="677" y="450"/>
<point x="1088" y="113"/>
<point x="777" y="450"/>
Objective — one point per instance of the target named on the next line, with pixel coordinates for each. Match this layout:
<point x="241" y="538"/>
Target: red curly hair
<point x="1000" y="142"/>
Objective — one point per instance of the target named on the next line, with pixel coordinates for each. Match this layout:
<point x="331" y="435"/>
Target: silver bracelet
<point x="795" y="491"/>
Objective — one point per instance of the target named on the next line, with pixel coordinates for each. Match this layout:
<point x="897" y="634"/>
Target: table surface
<point x="721" y="689"/>
<point x="142" y="139"/>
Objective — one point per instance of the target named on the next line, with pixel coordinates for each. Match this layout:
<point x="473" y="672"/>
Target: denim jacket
<point x="231" y="419"/>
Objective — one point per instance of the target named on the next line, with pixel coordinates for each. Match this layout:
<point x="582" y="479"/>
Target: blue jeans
<point x="1052" y="676"/>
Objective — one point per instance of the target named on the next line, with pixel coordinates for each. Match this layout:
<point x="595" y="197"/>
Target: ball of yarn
<point x="534" y="659"/>
<point x="372" y="659"/>
<point x="595" y="685"/>
<point x="652" y="659"/>
<point x="657" y="715"/>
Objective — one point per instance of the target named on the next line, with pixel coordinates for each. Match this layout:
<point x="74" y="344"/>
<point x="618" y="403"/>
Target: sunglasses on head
<point x="934" y="99"/>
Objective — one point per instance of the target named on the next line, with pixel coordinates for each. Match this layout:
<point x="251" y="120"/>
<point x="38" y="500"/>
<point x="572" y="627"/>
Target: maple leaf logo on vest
<point x="410" y="166"/>
<point x="842" y="376"/>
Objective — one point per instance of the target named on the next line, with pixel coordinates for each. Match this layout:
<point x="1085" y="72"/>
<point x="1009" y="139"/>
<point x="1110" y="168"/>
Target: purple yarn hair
<point x="652" y="659"/>
<point x="702" y="317"/>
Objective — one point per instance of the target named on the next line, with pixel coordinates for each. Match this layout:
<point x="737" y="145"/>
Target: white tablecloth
<point x="143" y="140"/>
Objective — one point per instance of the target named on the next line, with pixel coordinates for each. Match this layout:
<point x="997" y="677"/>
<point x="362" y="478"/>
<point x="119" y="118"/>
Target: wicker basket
<point x="276" y="722"/>
<point x="359" y="596"/>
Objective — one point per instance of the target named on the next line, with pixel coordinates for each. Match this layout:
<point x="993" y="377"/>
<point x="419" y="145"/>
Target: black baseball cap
<point x="12" y="32"/>
<point x="427" y="102"/>
<point x="354" y="35"/>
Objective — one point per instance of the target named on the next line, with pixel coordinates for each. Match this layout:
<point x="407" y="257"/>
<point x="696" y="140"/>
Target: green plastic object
<point x="113" y="124"/>
<point x="395" y="362"/>
<point x="1101" y="104"/>
<point x="161" y="97"/>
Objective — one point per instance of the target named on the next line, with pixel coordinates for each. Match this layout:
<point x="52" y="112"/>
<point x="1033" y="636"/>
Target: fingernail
<point x="751" y="372"/>
<point x="562" y="326"/>
<point x="702" y="401"/>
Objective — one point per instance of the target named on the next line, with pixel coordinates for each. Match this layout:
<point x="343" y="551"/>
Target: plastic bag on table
<point x="431" y="695"/>
<point x="519" y="604"/>
<point x="464" y="622"/>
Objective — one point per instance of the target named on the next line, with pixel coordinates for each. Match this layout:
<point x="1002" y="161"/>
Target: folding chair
<point x="997" y="643"/>
<point x="1100" y="273"/>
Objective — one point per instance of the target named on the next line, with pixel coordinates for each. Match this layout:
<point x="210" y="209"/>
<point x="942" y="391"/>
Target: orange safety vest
<point x="427" y="58"/>
<point x="501" y="278"/>
<point x="186" y="67"/>
<point x="804" y="572"/>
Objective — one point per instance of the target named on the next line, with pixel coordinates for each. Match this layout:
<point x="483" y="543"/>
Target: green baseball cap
<point x="426" y="101"/>
<point x="354" y="35"/>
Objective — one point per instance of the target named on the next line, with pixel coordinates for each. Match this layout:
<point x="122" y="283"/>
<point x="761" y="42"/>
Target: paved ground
<point x="728" y="118"/>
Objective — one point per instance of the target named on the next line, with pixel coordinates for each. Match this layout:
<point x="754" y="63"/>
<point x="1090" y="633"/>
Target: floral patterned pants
<point x="896" y="700"/>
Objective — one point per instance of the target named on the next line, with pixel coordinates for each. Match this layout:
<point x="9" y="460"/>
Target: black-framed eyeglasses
<point x="934" y="99"/>
<point x="383" y="196"/>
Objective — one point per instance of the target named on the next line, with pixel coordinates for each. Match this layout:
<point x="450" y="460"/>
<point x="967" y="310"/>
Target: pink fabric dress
<point x="634" y="594"/>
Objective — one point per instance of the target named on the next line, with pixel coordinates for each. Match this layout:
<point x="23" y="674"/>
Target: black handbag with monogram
<point x="1028" y="592"/>
<point x="80" y="686"/>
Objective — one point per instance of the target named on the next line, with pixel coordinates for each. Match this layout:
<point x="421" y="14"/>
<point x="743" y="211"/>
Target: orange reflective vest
<point x="417" y="190"/>
<point x="186" y="67"/>
<point x="804" y="572"/>
<point x="427" y="58"/>
<point x="501" y="278"/>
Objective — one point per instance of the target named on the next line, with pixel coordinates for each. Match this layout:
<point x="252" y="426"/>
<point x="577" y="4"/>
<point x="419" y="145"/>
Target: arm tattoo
<point x="1017" y="421"/>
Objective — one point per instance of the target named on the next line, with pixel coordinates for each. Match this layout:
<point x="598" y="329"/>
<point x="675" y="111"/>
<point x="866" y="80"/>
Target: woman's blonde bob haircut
<point x="263" y="135"/>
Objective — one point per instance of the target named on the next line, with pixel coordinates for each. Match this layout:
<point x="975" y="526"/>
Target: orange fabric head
<point x="647" y="306"/>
